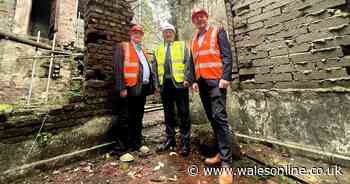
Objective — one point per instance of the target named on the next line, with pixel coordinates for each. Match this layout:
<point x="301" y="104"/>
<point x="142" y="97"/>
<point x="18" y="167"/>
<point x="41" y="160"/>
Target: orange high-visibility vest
<point x="131" y="64"/>
<point x="206" y="58"/>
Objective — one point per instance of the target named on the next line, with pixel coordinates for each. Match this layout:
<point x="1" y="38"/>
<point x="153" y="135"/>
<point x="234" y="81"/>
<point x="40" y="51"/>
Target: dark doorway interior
<point x="40" y="17"/>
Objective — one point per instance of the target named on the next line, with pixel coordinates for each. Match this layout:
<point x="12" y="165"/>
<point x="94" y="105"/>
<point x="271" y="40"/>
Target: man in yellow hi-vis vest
<point x="174" y="75"/>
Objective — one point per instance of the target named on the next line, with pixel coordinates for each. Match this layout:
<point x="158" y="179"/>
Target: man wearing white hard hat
<point x="172" y="65"/>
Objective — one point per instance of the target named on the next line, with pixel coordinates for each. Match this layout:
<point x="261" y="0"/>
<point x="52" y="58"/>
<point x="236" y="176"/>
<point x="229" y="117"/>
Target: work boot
<point x="168" y="145"/>
<point x="213" y="160"/>
<point x="226" y="177"/>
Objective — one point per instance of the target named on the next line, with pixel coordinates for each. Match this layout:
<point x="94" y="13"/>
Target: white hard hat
<point x="167" y="26"/>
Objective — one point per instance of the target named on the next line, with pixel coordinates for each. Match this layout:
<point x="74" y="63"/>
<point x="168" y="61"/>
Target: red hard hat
<point x="136" y="28"/>
<point x="196" y="11"/>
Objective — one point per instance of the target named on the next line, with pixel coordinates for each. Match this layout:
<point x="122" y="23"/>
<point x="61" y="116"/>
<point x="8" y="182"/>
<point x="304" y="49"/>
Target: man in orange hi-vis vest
<point x="212" y="60"/>
<point x="134" y="80"/>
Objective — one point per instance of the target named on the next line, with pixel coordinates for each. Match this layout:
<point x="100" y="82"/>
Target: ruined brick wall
<point x="16" y="61"/>
<point x="107" y="23"/>
<point x="15" y="17"/>
<point x="16" y="58"/>
<point x="291" y="43"/>
<point x="84" y="120"/>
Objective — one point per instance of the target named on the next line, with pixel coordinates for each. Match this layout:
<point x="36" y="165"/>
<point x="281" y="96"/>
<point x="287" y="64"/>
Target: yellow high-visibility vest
<point x="177" y="49"/>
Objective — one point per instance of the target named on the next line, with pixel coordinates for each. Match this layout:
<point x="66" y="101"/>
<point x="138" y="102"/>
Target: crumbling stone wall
<point x="306" y="119"/>
<point x="16" y="58"/>
<point x="84" y="120"/>
<point x="291" y="43"/>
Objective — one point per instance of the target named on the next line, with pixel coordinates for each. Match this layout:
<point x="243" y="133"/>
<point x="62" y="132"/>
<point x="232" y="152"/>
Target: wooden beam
<point x="14" y="37"/>
<point x="131" y="1"/>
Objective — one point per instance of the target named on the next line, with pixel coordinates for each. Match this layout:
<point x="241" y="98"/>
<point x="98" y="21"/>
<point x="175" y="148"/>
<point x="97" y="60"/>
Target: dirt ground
<point x="153" y="168"/>
<point x="163" y="168"/>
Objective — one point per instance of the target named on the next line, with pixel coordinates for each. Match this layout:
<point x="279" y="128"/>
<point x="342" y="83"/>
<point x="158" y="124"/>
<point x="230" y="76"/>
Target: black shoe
<point x="184" y="152"/>
<point x="185" y="149"/>
<point x="118" y="148"/>
<point x="168" y="145"/>
<point x="135" y="146"/>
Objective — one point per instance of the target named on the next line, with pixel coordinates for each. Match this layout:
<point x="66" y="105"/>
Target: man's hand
<point x="157" y="91"/>
<point x="123" y="93"/>
<point x="224" y="83"/>
<point x="186" y="84"/>
<point x="195" y="87"/>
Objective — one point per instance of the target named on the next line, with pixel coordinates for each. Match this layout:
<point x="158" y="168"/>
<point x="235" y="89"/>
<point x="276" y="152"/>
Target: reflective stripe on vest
<point x="207" y="58"/>
<point x="177" y="57"/>
<point x="131" y="65"/>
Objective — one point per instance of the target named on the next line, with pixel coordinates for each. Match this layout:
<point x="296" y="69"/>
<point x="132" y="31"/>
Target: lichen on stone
<point x="6" y="108"/>
<point x="340" y="13"/>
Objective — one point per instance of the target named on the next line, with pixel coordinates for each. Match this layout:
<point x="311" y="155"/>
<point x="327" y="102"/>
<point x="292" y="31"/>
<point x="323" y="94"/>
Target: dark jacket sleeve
<point x="226" y="54"/>
<point x="189" y="67"/>
<point x="118" y="61"/>
<point x="155" y="71"/>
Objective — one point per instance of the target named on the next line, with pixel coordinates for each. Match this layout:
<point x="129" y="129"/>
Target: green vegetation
<point x="44" y="138"/>
<point x="6" y="108"/>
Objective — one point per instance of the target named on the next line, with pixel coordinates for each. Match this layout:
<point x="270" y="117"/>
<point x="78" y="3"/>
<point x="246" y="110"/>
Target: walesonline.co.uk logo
<point x="266" y="171"/>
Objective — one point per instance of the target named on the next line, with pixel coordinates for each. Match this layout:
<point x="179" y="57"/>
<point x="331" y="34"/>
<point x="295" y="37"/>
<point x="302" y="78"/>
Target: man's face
<point x="168" y="35"/>
<point x="136" y="36"/>
<point x="200" y="21"/>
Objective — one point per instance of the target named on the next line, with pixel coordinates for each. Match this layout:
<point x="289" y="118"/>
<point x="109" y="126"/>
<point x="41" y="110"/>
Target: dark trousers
<point x="172" y="96"/>
<point x="119" y="127"/>
<point x="127" y="119"/>
<point x="214" y="102"/>
<point x="136" y="107"/>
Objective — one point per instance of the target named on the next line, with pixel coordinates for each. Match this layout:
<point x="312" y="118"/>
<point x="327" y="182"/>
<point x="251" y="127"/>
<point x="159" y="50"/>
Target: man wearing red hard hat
<point x="213" y="63"/>
<point x="134" y="80"/>
<point x="136" y="29"/>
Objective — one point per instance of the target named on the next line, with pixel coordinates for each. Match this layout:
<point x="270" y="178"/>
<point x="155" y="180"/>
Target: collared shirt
<point x="143" y="60"/>
<point x="201" y="36"/>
